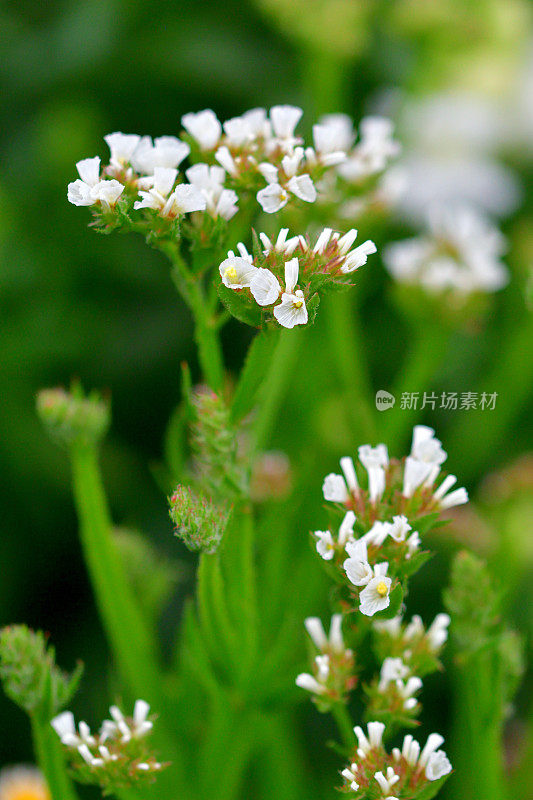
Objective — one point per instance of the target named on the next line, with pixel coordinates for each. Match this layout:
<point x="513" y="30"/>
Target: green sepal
<point x="239" y="306"/>
<point x="312" y="307"/>
<point x="432" y="788"/>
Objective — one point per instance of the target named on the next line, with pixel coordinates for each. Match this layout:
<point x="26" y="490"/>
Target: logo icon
<point x="384" y="400"/>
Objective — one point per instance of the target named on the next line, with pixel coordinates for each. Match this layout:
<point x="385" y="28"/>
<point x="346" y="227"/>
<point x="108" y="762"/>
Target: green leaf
<point x="312" y="307"/>
<point x="416" y="562"/>
<point x="240" y="306"/>
<point x="255" y="367"/>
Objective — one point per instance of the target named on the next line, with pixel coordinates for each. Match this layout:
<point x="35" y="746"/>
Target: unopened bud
<point x="73" y="417"/>
<point x="199" y="521"/>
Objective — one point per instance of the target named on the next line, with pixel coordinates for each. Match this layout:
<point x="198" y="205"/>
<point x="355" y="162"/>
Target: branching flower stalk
<point x="371" y="549"/>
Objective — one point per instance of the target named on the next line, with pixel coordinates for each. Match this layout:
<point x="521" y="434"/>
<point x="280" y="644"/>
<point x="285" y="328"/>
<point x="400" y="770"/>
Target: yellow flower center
<point x="298" y="303"/>
<point x="230" y="273"/>
<point x="382" y="588"/>
<point x="27" y="793"/>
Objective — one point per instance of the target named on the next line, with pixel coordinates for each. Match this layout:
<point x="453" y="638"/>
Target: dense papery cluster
<point x="370" y="552"/>
<point x="460" y="253"/>
<point x="115" y="758"/>
<point x="257" y="154"/>
<point x="374" y="773"/>
<point x="284" y="278"/>
<point x="376" y="546"/>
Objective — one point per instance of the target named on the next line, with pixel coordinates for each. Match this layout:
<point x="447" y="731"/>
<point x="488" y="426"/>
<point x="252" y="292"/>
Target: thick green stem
<point x="477" y="733"/>
<point x="130" y="638"/>
<point x="344" y="724"/>
<point x="132" y="643"/>
<point x="49" y="756"/>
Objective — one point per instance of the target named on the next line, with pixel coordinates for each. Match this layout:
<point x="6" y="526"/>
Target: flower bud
<point x="71" y="417"/>
<point x="29" y="674"/>
<point x="199" y="522"/>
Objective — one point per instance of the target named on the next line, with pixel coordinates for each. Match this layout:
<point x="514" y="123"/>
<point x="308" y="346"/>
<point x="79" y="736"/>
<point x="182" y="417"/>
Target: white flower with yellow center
<point x="23" y="783"/>
<point x="160" y="197"/>
<point x="89" y="189"/>
<point x="325" y="544"/>
<point x="291" y="311"/>
<point x="357" y="568"/>
<point x="375" y="595"/>
<point x="237" y="272"/>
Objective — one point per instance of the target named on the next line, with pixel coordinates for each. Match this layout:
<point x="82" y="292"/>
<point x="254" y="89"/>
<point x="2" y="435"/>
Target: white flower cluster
<point x="394" y="671"/>
<point x="407" y="769"/>
<point x="104" y="748"/>
<point x="421" y="470"/>
<point x="332" y="256"/>
<point x="435" y="636"/>
<point x="460" y="252"/>
<point x="333" y="659"/>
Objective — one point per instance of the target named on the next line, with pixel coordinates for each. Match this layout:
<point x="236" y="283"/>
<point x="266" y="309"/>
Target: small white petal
<point x="265" y="287"/>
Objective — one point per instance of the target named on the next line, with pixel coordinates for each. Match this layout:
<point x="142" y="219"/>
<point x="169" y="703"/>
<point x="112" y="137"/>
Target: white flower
<point x="350" y="775"/>
<point x="392" y="669"/>
<point x="399" y="528"/>
<point x="357" y="257"/>
<point x="291" y="162"/>
<point x="426" y="447"/>
<point x="414" y="629"/>
<point x="292" y="310"/>
<point x="434" y="741"/>
<point x="375" y="148"/>
<point x="303" y="187"/>
<point x="410" y="750"/>
<point x="325" y="544"/>
<point x="377" y="533"/>
<point x="140" y="725"/>
<point x="334" y="643"/>
<point x="358" y="570"/>
<point x="391" y="626"/>
<point x="284" y="120"/>
<point x="374" y="459"/>
<point x="437" y="632"/>
<point x="166" y="151"/>
<point x="272" y="198"/>
<point x="210" y="182"/>
<point x="375" y="595"/>
<point x="122" y="146"/>
<point x="90" y="189"/>
<point x="374" y="741"/>
<point x="159" y="187"/>
<point x="332" y="137"/>
<point x="413" y="543"/>
<point x="334" y="488"/>
<point x="407" y="690"/>
<point x="204" y="127"/>
<point x="310" y="684"/>
<point x="281" y="245"/>
<point x="386" y="782"/>
<point x="268" y="171"/>
<point x="65" y="727"/>
<point x="226" y="160"/>
<point x="350" y="475"/>
<point x="460" y="252"/>
<point x="236" y="272"/>
<point x="455" y="498"/>
<point x="265" y="287"/>
<point x="415" y="473"/>
<point x="88" y="757"/>
<point x="346" y="528"/>
<point x="438" y="765"/>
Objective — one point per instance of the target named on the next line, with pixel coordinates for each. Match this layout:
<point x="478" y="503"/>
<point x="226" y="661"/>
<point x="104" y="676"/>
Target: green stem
<point x="249" y="592"/>
<point x="347" y="348"/>
<point x="279" y="374"/>
<point x="477" y="733"/>
<point x="131" y="641"/>
<point x="344" y="724"/>
<point x="49" y="756"/>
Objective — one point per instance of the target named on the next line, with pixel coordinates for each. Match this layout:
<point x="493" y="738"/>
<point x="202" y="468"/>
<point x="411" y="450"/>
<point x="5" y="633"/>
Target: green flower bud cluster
<point x="218" y="468"/>
<point x="71" y="417"/>
<point x="199" y="522"/>
<point x="29" y="673"/>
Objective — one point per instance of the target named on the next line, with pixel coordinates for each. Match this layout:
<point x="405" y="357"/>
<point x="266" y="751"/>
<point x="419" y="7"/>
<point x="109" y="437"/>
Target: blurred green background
<point x="104" y="309"/>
